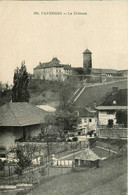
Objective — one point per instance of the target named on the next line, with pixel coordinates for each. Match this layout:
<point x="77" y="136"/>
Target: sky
<point x="38" y="38"/>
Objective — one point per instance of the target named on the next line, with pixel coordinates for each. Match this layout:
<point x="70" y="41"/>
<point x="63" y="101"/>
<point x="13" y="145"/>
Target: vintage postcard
<point x="63" y="97"/>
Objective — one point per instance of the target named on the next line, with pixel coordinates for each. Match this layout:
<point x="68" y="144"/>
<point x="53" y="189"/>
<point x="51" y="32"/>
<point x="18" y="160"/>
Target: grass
<point x="98" y="93"/>
<point x="51" y="92"/>
<point x="110" y="178"/>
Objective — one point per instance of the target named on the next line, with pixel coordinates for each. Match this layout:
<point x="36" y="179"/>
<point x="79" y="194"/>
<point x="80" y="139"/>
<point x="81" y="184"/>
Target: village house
<point x="19" y="120"/>
<point x="112" y="114"/>
<point x="88" y="119"/>
<point x="107" y="114"/>
<point x="52" y="70"/>
<point x="114" y="104"/>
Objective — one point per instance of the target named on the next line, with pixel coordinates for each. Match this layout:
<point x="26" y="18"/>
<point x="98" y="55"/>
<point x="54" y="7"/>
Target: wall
<point x="103" y="117"/>
<point x="33" y="130"/>
<point x="113" y="132"/>
<point x="87" y="61"/>
<point x="7" y="138"/>
<point x="87" y="125"/>
<point x="53" y="73"/>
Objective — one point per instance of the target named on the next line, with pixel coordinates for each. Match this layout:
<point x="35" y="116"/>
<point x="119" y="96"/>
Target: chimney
<point x="94" y="104"/>
<point x="114" y="102"/>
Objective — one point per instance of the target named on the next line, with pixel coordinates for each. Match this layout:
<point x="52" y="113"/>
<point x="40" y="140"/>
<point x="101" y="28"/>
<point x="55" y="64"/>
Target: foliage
<point x="121" y="117"/>
<point x="62" y="121"/>
<point x="20" y="91"/>
<point x="1" y="165"/>
<point x="23" y="161"/>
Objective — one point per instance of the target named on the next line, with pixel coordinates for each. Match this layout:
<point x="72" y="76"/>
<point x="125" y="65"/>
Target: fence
<point x="63" y="163"/>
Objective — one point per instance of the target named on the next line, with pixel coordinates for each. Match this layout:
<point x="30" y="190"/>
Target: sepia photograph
<point x="63" y="97"/>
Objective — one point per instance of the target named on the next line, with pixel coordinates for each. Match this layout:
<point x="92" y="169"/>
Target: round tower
<point x="87" y="61"/>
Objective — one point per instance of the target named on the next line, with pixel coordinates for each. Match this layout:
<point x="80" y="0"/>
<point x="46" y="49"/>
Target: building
<point x="87" y="158"/>
<point x="19" y="120"/>
<point x="87" y="61"/>
<point x="53" y="70"/>
<point x="103" y="72"/>
<point x="114" y="108"/>
<point x="123" y="73"/>
<point x="88" y="119"/>
<point x="107" y="115"/>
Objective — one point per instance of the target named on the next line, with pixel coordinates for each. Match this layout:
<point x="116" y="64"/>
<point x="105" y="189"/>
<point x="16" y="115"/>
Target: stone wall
<point x="121" y="133"/>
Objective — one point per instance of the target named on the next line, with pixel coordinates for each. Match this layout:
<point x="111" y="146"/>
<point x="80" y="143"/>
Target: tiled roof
<point x="21" y="114"/>
<point x="53" y="63"/>
<point x="84" y="112"/>
<point x="120" y="97"/>
<point x="111" y="108"/>
<point x="103" y="71"/>
<point x="87" y="154"/>
<point x="87" y="52"/>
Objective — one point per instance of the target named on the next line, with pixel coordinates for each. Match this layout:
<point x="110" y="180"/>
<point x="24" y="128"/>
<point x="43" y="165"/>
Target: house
<point x="19" y="120"/>
<point x="52" y="70"/>
<point x="123" y="73"/>
<point x="87" y="158"/>
<point x="113" y="110"/>
<point x="88" y="119"/>
<point x="107" y="114"/>
<point x="100" y="71"/>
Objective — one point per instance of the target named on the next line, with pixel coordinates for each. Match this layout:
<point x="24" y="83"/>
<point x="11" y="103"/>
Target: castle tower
<point x="87" y="61"/>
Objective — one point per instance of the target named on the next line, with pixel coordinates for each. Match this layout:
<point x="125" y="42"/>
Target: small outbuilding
<point x="19" y="120"/>
<point x="87" y="158"/>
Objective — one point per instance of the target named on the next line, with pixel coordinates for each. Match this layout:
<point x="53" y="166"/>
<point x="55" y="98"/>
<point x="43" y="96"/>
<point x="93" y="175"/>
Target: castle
<point x="56" y="71"/>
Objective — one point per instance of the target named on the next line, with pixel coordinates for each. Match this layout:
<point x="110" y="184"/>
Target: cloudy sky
<point x="35" y="37"/>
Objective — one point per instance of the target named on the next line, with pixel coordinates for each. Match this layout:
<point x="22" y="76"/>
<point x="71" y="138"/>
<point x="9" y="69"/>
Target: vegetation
<point x="20" y="91"/>
<point x="122" y="117"/>
<point x="5" y="93"/>
<point x="62" y="122"/>
<point x="23" y="161"/>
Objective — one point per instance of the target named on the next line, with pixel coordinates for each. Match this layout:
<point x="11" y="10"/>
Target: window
<point x="85" y="120"/>
<point x="110" y="112"/>
<point x="90" y="120"/>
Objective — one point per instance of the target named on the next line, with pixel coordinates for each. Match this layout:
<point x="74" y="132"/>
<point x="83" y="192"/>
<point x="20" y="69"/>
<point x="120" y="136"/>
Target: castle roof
<point x="53" y="63"/>
<point x="87" y="52"/>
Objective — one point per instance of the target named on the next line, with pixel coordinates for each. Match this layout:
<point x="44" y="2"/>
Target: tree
<point x="62" y="121"/>
<point x="121" y="117"/>
<point x="20" y="91"/>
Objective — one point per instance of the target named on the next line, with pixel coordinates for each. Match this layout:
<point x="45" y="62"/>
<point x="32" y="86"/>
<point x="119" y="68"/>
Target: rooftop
<point x="103" y="71"/>
<point x="111" y="108"/>
<point x="87" y="154"/>
<point x="85" y="112"/>
<point x="87" y="52"/>
<point x="21" y="114"/>
<point x="120" y="97"/>
<point x="53" y="63"/>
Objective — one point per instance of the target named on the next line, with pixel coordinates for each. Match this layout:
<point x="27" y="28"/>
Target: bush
<point x="75" y="139"/>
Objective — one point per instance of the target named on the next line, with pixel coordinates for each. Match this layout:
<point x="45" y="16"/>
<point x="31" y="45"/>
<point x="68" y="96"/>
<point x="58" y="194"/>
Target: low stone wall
<point x="121" y="133"/>
<point x="53" y="147"/>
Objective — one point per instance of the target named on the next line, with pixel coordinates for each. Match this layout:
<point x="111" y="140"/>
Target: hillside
<point x="51" y="92"/>
<point x="110" y="178"/>
<point x="98" y="93"/>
